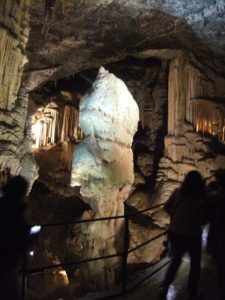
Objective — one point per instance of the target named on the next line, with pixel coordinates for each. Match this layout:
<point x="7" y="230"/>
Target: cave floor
<point x="150" y="288"/>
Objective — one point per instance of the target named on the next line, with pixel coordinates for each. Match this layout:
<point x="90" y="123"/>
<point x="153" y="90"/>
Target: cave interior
<point x="57" y="58"/>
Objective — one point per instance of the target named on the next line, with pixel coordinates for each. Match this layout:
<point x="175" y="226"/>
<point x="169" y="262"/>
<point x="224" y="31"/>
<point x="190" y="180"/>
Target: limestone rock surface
<point x="95" y="33"/>
<point x="15" y="149"/>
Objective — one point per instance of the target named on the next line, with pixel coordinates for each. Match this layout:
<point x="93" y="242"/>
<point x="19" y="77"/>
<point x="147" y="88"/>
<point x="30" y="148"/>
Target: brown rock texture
<point x="14" y="32"/>
<point x="92" y="33"/>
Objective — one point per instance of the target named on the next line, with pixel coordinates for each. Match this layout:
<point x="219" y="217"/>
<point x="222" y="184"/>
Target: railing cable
<point x="126" y="251"/>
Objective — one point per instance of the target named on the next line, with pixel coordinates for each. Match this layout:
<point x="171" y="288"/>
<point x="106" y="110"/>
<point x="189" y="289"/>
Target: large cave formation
<point x="170" y="55"/>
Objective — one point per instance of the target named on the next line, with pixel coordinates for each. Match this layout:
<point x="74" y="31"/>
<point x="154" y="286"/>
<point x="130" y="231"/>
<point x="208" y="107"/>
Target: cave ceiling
<point x="74" y="35"/>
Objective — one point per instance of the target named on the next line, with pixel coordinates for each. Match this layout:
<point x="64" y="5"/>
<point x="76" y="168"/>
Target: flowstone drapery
<point x="103" y="167"/>
<point x="194" y="108"/>
<point x="15" y="142"/>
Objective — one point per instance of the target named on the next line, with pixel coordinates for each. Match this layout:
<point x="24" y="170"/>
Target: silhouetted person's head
<point x="193" y="183"/>
<point x="16" y="189"/>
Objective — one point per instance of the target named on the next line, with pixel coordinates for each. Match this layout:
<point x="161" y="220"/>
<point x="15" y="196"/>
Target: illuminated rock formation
<point x="45" y="125"/>
<point x="13" y="40"/>
<point x="190" y="115"/>
<point x="15" y="149"/>
<point x="103" y="167"/>
<point x="70" y="126"/>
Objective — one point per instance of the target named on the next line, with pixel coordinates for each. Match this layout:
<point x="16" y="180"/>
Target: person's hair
<point x="16" y="188"/>
<point x="193" y="183"/>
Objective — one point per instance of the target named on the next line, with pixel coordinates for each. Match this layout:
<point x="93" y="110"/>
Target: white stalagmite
<point x="108" y="117"/>
<point x="109" y="111"/>
<point x="103" y="167"/>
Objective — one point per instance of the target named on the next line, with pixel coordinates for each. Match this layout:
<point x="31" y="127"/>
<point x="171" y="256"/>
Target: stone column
<point x="177" y="93"/>
<point x="103" y="167"/>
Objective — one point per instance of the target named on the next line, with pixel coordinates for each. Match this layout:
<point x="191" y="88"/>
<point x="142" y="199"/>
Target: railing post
<point x="125" y="252"/>
<point x="24" y="276"/>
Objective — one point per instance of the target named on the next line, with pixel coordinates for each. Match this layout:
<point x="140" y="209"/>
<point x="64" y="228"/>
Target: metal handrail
<point x="100" y="219"/>
<point x="39" y="270"/>
<point x="123" y="254"/>
<point x="147" y="242"/>
<point x="147" y="209"/>
<point x="81" y="221"/>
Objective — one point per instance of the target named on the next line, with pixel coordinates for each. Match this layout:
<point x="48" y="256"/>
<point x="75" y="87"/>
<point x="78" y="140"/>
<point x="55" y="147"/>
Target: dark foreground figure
<point x="14" y="236"/>
<point x="187" y="210"/>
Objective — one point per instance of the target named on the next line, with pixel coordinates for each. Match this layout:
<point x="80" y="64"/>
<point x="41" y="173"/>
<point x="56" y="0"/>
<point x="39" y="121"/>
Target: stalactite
<point x="13" y="39"/>
<point x="44" y="126"/>
<point x="70" y="128"/>
<point x="14" y="30"/>
<point x="49" y="127"/>
<point x="207" y="116"/>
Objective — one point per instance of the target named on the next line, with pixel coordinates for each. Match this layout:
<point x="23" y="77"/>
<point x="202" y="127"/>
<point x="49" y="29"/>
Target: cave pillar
<point x="103" y="167"/>
<point x="177" y="93"/>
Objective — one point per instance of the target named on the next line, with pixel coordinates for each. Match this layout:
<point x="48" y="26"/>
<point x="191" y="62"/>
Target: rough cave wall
<point x="15" y="152"/>
<point x="147" y="80"/>
<point x="99" y="32"/>
<point x="185" y="149"/>
<point x="150" y="93"/>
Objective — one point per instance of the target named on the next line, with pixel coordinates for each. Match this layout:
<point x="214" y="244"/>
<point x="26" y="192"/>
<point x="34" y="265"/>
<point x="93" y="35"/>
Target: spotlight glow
<point x="36" y="133"/>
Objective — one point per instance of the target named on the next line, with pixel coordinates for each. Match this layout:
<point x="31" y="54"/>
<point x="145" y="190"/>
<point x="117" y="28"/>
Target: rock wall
<point x="185" y="148"/>
<point x="147" y="80"/>
<point x="15" y="151"/>
<point x="149" y="87"/>
<point x="151" y="95"/>
<point x="14" y="33"/>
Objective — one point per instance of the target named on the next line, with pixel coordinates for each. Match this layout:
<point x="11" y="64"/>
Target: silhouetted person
<point x="14" y="235"/>
<point x="186" y="207"/>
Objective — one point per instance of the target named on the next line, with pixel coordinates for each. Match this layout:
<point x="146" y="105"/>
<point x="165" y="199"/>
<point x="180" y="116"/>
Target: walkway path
<point x="150" y="289"/>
